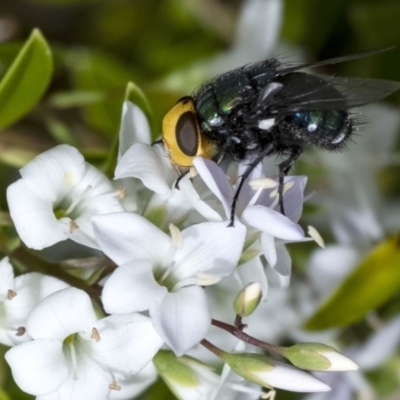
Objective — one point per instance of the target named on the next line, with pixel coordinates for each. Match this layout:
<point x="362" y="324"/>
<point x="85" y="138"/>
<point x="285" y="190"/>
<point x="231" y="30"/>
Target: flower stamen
<point x="114" y="386"/>
<point x="20" y="331"/>
<point x="73" y="226"/>
<point x="95" y="335"/>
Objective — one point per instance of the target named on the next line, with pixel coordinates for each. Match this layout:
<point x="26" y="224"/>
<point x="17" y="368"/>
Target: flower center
<point x="69" y="347"/>
<point x="70" y="207"/>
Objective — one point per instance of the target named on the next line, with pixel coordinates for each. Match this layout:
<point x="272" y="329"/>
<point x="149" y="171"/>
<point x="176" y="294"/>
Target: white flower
<point x="258" y="208"/>
<point x="75" y="356"/>
<point x="18" y="297"/>
<point x="58" y="194"/>
<point x="135" y="128"/>
<point x="152" y="165"/>
<point x="165" y="275"/>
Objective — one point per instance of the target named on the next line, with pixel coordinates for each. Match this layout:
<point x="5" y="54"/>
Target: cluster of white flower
<point x="157" y="294"/>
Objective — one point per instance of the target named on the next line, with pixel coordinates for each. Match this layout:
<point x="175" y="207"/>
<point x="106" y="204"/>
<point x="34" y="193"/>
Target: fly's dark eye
<point x="186" y="134"/>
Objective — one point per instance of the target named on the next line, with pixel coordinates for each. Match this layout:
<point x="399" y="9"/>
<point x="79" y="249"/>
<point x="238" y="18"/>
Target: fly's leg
<point x="157" y="142"/>
<point x="284" y="168"/>
<point x="183" y="174"/>
<point x="245" y="175"/>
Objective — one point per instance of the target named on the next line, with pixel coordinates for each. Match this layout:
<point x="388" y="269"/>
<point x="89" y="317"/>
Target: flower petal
<point x="279" y="274"/>
<point x="293" y="198"/>
<point x="286" y="377"/>
<point x="125" y="237"/>
<point x="38" y="367"/>
<point x="33" y="216"/>
<point x="134" y="128"/>
<point x="31" y="288"/>
<point x="216" y="180"/>
<point x="127" y="343"/>
<point x="379" y="346"/>
<point x="182" y="319"/>
<point x="135" y="385"/>
<point x="87" y="382"/>
<point x="269" y="248"/>
<point x="272" y="222"/>
<point x="6" y="278"/>
<point x="209" y="247"/>
<point x="132" y="287"/>
<point x="192" y="197"/>
<point x="61" y="314"/>
<point x="54" y="171"/>
<point x="144" y="162"/>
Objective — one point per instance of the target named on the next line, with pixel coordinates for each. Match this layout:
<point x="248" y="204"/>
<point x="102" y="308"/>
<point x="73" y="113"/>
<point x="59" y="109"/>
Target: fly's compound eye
<point x="182" y="135"/>
<point x="186" y="134"/>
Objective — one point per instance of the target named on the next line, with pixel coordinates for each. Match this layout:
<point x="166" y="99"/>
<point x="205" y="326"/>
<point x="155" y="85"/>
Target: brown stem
<point x="33" y="263"/>
<point x="235" y="331"/>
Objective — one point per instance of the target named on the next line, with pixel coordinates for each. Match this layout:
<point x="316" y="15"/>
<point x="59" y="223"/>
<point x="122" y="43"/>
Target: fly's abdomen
<point x="328" y="129"/>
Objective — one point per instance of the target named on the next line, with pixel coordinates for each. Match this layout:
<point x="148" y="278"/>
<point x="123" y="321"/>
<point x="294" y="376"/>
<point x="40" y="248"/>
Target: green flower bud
<point x="248" y="299"/>
<point x="266" y="372"/>
<point x="185" y="376"/>
<point x="318" y="357"/>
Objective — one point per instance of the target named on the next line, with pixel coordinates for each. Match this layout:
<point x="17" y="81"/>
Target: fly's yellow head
<point x="182" y="134"/>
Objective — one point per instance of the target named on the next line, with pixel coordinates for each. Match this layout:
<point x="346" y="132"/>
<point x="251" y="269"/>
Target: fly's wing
<point x="304" y="92"/>
<point x="336" y="60"/>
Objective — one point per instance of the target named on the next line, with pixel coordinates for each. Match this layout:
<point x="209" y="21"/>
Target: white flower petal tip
<point x="272" y="222"/>
<point x="263" y="183"/>
<point x="339" y="362"/>
<point x="314" y="234"/>
<point x="204" y="279"/>
<point x="294" y="380"/>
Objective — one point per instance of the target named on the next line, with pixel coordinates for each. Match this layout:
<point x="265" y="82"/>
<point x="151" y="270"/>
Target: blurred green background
<point x="99" y="45"/>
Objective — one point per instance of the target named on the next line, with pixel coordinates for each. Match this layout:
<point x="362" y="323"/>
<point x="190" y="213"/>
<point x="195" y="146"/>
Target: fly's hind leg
<point x="284" y="168"/>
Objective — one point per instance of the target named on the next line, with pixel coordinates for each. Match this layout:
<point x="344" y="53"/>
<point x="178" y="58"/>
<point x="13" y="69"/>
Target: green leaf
<point x="26" y="80"/>
<point x="97" y="72"/>
<point x="76" y="98"/>
<point x="372" y="283"/>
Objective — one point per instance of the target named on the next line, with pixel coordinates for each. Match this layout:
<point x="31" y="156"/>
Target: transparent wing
<point x="305" y="92"/>
<point x="335" y="60"/>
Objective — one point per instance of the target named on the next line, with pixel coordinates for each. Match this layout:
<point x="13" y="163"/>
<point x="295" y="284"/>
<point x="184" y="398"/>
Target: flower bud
<point x="185" y="376"/>
<point x="318" y="357"/>
<point x="248" y="299"/>
<point x="264" y="371"/>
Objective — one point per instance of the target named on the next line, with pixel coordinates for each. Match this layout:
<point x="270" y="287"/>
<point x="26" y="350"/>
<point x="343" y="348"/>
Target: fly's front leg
<point x="284" y="168"/>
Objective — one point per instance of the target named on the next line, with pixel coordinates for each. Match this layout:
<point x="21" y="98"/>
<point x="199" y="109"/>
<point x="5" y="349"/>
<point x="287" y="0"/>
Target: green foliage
<point x="371" y="284"/>
<point x="94" y="71"/>
<point x="26" y="79"/>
